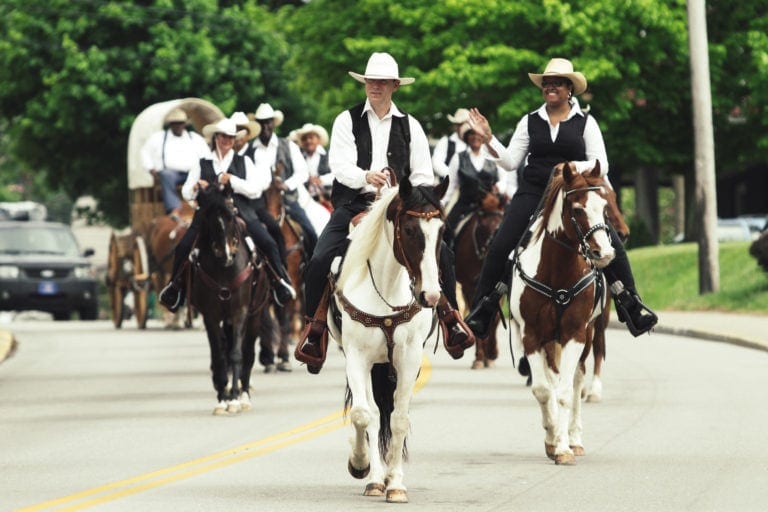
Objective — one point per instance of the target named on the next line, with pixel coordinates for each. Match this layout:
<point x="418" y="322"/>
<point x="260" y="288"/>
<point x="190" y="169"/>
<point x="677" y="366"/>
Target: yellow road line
<point x="116" y="490"/>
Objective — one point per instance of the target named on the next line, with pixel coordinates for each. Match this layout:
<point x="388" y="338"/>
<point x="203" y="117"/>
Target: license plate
<point x="47" y="288"/>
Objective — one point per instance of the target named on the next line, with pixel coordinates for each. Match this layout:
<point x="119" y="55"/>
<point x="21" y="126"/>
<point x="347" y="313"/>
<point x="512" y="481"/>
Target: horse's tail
<point x="384" y="395"/>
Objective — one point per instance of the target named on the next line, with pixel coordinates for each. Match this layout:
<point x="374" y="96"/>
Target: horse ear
<point x="405" y="187"/>
<point x="442" y="187"/>
<point x="569" y="172"/>
<point x="596" y="170"/>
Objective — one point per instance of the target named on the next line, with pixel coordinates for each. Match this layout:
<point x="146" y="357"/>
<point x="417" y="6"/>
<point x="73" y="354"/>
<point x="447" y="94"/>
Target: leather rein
<point x="402" y="314"/>
<point x="562" y="297"/>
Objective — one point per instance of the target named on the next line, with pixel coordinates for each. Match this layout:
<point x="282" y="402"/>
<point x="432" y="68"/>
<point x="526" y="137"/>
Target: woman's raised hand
<point x="480" y="124"/>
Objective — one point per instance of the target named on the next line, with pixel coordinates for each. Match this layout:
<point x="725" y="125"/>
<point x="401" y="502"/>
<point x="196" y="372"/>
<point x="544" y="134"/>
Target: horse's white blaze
<point x="595" y="206"/>
<point x="430" y="280"/>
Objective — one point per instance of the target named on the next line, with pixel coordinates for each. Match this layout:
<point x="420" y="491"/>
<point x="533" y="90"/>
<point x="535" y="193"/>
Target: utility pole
<point x="706" y="194"/>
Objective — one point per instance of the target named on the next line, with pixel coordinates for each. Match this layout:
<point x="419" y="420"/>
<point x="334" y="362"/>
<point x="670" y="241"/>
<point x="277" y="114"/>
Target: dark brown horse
<point x="557" y="293"/>
<point x="289" y="317"/>
<point x="231" y="291"/>
<point x="471" y="247"/>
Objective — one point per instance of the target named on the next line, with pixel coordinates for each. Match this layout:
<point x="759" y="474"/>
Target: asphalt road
<point x="94" y="418"/>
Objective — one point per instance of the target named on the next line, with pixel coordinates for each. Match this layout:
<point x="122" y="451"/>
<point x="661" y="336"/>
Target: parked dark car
<point x="42" y="268"/>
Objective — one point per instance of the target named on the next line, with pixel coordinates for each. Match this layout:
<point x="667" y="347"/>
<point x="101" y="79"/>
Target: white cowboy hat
<point x="242" y="122"/>
<point x="460" y="116"/>
<point x="225" y="126"/>
<point x="313" y="128"/>
<point x="464" y="129"/>
<point x="382" y="66"/>
<point x="564" y="68"/>
<point x="176" y="116"/>
<point x="265" y="111"/>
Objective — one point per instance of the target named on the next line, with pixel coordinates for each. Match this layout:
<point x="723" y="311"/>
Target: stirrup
<point x="626" y="301"/>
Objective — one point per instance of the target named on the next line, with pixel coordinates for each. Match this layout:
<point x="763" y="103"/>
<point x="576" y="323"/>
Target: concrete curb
<point x="7" y="345"/>
<point x="694" y="333"/>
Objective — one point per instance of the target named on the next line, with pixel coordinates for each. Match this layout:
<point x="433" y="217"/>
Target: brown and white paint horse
<point x="557" y="293"/>
<point x="385" y="297"/>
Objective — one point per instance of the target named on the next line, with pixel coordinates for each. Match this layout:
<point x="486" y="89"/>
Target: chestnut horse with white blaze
<point x="385" y="299"/>
<point x="557" y="292"/>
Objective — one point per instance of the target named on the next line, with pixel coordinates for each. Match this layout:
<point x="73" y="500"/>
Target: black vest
<point x="398" y="151"/>
<point x="471" y="182"/>
<point x="544" y="154"/>
<point x="236" y="168"/>
<point x="450" y="152"/>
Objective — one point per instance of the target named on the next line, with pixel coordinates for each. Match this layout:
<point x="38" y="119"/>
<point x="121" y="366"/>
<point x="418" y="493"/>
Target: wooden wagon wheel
<point x="115" y="288"/>
<point x="141" y="281"/>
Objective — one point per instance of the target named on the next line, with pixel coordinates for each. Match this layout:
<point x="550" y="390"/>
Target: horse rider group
<point x="373" y="145"/>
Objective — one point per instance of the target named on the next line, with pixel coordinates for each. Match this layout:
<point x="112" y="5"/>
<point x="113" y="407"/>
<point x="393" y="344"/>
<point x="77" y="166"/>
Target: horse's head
<point x="219" y="222"/>
<point x="585" y="198"/>
<point x="418" y="226"/>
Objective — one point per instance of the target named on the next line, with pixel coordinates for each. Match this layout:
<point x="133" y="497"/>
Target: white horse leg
<point x="542" y="387"/>
<point x="595" y="394"/>
<point x="575" y="427"/>
<point x="569" y="361"/>
<point x="407" y="362"/>
<point x="358" y="375"/>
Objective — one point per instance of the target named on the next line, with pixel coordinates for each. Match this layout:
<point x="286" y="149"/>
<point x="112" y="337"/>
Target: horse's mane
<point x="367" y="232"/>
<point x="551" y="195"/>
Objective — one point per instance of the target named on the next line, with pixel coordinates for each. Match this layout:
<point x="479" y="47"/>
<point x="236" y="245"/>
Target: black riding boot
<point x="480" y="318"/>
<point x="172" y="296"/>
<point x="630" y="309"/>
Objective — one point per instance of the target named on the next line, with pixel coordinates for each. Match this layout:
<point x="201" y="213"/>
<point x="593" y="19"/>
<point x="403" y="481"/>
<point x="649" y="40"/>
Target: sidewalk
<point x="745" y="330"/>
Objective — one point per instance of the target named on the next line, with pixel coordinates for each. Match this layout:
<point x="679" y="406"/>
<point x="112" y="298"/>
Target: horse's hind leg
<point x="595" y="393"/>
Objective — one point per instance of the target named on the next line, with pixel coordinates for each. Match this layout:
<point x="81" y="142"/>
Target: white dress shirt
<point x="343" y="152"/>
<point x="251" y="187"/>
<point x="181" y="152"/>
<point x="267" y="155"/>
<point x="313" y="162"/>
<point x="478" y="162"/>
<point x="441" y="151"/>
<point x="514" y="155"/>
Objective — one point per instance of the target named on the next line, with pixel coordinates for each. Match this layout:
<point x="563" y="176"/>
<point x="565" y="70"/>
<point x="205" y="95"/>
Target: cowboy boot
<point x="457" y="337"/>
<point x="313" y="344"/>
<point x="631" y="310"/>
<point x="479" y="319"/>
<point x="282" y="291"/>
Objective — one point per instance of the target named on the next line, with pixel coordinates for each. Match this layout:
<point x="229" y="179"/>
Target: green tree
<point x="76" y="73"/>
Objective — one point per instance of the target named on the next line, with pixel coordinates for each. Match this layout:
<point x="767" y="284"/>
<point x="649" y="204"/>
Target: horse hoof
<point x="358" y="473"/>
<point x="594" y="398"/>
<point x="374" y="489"/>
<point x="565" y="459"/>
<point x="549" y="449"/>
<point x="397" y="496"/>
<point x="233" y="407"/>
<point x="490" y="363"/>
<point x="245" y="401"/>
<point x="220" y="409"/>
<point x="270" y="368"/>
<point x="284" y="366"/>
<point x="477" y="365"/>
<point x="578" y="451"/>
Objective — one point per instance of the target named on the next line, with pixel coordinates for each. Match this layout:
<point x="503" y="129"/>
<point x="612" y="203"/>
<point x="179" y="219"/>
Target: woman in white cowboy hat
<point x="556" y="132"/>
<point x="372" y="144"/>
<point x="224" y="166"/>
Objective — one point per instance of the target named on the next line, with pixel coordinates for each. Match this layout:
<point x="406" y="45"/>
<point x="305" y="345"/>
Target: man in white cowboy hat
<point x="222" y="165"/>
<point x="312" y="140"/>
<point x="170" y="153"/>
<point x="449" y="145"/>
<point x="287" y="163"/>
<point x="370" y="143"/>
